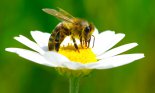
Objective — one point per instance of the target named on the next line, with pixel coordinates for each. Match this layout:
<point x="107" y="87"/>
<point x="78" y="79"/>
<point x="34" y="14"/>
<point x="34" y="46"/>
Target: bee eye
<point x="87" y="29"/>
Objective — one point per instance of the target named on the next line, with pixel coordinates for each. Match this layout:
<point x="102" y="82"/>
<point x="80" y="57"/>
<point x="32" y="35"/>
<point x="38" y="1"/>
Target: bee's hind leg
<point x="75" y="45"/>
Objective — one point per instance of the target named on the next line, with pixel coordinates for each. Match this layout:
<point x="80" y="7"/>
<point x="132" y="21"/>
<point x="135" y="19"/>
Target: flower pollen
<point x="84" y="55"/>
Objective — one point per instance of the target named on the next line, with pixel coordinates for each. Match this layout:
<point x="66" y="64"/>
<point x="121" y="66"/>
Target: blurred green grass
<point x="135" y="18"/>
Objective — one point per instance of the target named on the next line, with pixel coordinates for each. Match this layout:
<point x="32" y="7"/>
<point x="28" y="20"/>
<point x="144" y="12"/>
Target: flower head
<point x="101" y="56"/>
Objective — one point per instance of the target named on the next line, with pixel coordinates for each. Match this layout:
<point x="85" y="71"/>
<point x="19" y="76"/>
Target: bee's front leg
<point x="81" y="42"/>
<point x="89" y="43"/>
<point x="75" y="45"/>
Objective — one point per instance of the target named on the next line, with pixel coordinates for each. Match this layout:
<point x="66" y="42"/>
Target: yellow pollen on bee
<point x="84" y="55"/>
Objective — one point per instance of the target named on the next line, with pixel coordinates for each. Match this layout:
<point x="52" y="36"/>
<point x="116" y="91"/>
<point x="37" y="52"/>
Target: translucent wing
<point x="62" y="14"/>
<point x="65" y="13"/>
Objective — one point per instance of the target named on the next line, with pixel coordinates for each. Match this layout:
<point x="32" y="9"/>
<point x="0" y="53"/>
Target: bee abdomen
<point x="56" y="38"/>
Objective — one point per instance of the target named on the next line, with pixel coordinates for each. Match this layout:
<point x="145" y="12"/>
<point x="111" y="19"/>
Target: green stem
<point x="74" y="84"/>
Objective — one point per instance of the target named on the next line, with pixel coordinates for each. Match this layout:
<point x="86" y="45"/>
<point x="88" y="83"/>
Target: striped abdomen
<point x="56" y="38"/>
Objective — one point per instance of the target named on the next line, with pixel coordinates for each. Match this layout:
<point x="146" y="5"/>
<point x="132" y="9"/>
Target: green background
<point x="135" y="18"/>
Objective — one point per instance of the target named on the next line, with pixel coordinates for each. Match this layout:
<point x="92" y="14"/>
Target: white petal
<point x="107" y="42"/>
<point x="74" y="65"/>
<point x="95" y="32"/>
<point x="115" y="61"/>
<point x="30" y="55"/>
<point x="117" y="50"/>
<point x="55" y="58"/>
<point x="102" y="40"/>
<point x="22" y="39"/>
<point x="41" y="38"/>
<point x="61" y="61"/>
<point x="117" y="38"/>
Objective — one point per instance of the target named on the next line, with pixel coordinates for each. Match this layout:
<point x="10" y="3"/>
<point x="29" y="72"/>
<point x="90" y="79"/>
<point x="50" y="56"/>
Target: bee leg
<point x="75" y="45"/>
<point x="57" y="46"/>
<point x="81" y="42"/>
<point x="88" y="43"/>
<point x="93" y="41"/>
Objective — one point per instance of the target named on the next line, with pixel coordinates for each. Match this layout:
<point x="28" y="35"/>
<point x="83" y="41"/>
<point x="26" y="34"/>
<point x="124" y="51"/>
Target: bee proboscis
<point x="70" y="26"/>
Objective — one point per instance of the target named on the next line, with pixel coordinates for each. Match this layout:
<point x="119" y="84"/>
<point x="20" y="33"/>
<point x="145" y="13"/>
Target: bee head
<point x="86" y="35"/>
<point x="88" y="31"/>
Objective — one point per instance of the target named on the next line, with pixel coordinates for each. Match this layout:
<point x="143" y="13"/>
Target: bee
<point x="69" y="26"/>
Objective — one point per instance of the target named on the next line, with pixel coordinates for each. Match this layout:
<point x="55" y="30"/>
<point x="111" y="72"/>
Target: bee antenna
<point x="93" y="41"/>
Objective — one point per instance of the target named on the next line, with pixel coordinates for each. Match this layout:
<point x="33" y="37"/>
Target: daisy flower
<point x="101" y="56"/>
<point x="72" y="63"/>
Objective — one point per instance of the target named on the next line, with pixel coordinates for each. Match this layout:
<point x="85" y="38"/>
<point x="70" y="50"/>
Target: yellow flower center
<point x="84" y="55"/>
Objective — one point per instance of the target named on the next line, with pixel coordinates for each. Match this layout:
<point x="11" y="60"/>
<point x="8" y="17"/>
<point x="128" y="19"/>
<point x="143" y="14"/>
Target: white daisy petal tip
<point x="41" y="38"/>
<point x="135" y="44"/>
<point x="116" y="61"/>
<point x="32" y="32"/>
<point x="121" y="35"/>
<point x="12" y="49"/>
<point x="35" y="32"/>
<point x="22" y="39"/>
<point x="19" y="37"/>
<point x="141" y="55"/>
<point x="31" y="55"/>
<point x="128" y="58"/>
<point x="16" y="37"/>
<point x="111" y="31"/>
<point x="9" y="50"/>
<point x="134" y="58"/>
<point x="117" y="50"/>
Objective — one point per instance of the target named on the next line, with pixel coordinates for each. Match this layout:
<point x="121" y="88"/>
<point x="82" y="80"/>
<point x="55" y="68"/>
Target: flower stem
<point x="74" y="84"/>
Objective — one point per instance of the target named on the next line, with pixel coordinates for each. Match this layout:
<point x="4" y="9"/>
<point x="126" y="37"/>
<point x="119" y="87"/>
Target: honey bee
<point x="69" y="26"/>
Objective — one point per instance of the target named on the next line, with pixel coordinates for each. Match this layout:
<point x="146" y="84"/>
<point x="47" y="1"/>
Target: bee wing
<point x="65" y="13"/>
<point x="62" y="15"/>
